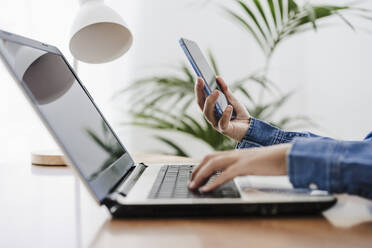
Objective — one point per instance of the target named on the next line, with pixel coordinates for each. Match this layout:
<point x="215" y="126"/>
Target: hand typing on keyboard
<point x="172" y="180"/>
<point x="266" y="161"/>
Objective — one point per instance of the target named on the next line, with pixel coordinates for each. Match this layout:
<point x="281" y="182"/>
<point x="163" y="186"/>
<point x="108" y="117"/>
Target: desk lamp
<point x="98" y="33"/>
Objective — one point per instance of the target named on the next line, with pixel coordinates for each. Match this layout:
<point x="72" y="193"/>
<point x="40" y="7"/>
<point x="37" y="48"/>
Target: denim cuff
<point x="244" y="144"/>
<point x="314" y="163"/>
<point x="262" y="133"/>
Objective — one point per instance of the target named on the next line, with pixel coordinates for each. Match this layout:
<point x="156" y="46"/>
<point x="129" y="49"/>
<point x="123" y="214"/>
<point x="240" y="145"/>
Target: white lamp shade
<point x="99" y="34"/>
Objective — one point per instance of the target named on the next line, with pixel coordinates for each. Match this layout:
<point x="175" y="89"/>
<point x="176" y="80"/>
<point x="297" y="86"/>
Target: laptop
<point x="128" y="189"/>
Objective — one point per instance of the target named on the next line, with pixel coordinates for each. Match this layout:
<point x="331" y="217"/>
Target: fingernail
<point x="204" y="189"/>
<point x="191" y="184"/>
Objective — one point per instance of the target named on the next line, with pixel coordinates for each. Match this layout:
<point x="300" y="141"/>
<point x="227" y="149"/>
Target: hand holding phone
<point x="205" y="71"/>
<point x="235" y="129"/>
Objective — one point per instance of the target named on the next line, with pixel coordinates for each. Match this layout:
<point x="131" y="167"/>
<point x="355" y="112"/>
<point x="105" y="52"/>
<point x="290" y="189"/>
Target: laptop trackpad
<point x="273" y="186"/>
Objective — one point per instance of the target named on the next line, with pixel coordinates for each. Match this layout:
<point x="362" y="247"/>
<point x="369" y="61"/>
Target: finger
<point x="224" y="121"/>
<point x="210" y="161"/>
<point x="203" y="162"/>
<point x="208" y="110"/>
<point x="221" y="82"/>
<point x="200" y="93"/>
<point x="211" y="167"/>
<point x="230" y="97"/>
<point x="225" y="89"/>
<point x="225" y="176"/>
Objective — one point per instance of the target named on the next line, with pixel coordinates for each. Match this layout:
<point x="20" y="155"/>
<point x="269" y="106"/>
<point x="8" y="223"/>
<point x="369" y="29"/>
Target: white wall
<point x="329" y="69"/>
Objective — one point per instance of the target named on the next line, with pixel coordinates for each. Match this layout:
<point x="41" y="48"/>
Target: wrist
<point x="242" y="129"/>
<point x="284" y="151"/>
<point x="276" y="156"/>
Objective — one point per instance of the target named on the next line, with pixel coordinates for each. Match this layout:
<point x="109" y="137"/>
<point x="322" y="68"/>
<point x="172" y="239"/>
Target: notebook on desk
<point x="99" y="158"/>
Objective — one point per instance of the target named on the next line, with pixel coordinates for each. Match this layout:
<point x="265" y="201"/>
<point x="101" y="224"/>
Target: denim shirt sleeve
<point x="332" y="165"/>
<point x="314" y="161"/>
<point x="261" y="133"/>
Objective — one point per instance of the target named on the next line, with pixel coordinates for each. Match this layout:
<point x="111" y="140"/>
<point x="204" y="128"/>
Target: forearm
<point x="261" y="133"/>
<point x="335" y="166"/>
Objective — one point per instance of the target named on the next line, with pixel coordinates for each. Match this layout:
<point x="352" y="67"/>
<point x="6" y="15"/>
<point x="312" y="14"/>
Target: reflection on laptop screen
<point x="67" y="109"/>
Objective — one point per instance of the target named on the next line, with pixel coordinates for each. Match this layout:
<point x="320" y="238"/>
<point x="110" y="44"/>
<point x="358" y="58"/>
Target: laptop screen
<point x="67" y="109"/>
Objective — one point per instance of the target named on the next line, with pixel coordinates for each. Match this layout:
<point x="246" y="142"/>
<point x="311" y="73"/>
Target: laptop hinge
<point x="123" y="179"/>
<point x="124" y="188"/>
<point x="125" y="185"/>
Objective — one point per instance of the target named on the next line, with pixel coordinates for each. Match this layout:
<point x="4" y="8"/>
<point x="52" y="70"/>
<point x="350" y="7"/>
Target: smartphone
<point x="202" y="69"/>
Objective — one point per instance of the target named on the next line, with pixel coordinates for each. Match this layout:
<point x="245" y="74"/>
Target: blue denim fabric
<point x="328" y="164"/>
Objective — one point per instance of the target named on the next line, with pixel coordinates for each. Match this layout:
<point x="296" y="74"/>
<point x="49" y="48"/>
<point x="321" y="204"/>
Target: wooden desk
<point x="48" y="207"/>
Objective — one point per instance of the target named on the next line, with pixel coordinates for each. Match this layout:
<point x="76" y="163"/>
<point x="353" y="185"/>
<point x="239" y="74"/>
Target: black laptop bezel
<point x="101" y="186"/>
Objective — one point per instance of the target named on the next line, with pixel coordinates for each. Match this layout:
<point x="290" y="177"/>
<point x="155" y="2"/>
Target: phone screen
<point x="204" y="70"/>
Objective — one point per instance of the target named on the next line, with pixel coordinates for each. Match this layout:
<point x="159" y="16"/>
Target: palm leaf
<point x="273" y="12"/>
<point x="250" y="29"/>
<point x="281" y="8"/>
<point x="262" y="15"/>
<point x="245" y="93"/>
<point x="276" y="105"/>
<point x="292" y="8"/>
<point x="254" y="19"/>
<point x="291" y="21"/>
<point x="178" y="150"/>
<point x="347" y="22"/>
<point x="187" y="72"/>
<point x="213" y="62"/>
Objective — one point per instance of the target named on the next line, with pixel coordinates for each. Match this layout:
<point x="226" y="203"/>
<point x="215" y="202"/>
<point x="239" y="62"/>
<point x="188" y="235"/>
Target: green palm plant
<point x="163" y="103"/>
<point x="282" y="20"/>
<point x="166" y="105"/>
<point x="270" y="22"/>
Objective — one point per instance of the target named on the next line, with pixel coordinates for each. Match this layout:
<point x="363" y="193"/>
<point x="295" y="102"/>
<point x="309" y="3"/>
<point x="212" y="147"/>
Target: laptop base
<point x="220" y="210"/>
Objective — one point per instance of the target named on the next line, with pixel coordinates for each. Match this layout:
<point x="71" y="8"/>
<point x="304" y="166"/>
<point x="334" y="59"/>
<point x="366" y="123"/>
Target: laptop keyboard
<point x="172" y="181"/>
